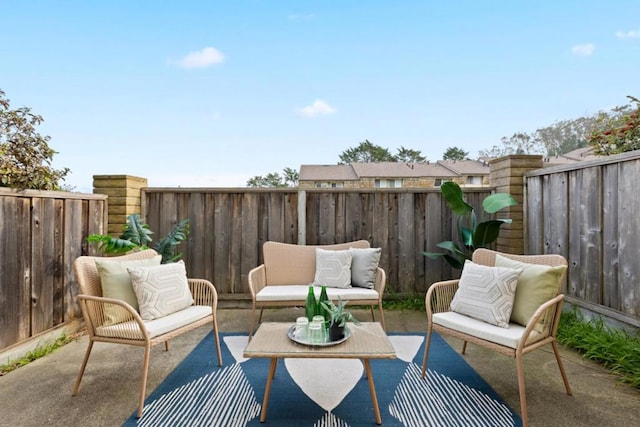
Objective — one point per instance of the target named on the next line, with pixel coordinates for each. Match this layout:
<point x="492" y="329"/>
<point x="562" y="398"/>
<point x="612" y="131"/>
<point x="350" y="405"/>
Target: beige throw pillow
<point x="333" y="268"/>
<point x="116" y="284"/>
<point x="486" y="293"/>
<point x="161" y="290"/>
<point x="536" y="285"/>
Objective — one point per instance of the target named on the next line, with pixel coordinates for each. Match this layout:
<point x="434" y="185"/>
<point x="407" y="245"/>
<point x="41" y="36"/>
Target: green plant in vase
<point x="339" y="317"/>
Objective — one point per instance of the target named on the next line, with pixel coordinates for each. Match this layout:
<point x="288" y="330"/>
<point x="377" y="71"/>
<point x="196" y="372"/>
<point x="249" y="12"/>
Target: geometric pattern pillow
<point x="161" y="290"/>
<point x="333" y="268"/>
<point x="537" y="284"/>
<point x="116" y="283"/>
<point x="364" y="266"/>
<point x="486" y="293"/>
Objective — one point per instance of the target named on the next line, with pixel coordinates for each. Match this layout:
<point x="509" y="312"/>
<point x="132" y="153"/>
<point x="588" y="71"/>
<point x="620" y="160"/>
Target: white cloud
<point x="583" y="49"/>
<point x="201" y="59"/>
<point x="319" y="107"/>
<point x="631" y="34"/>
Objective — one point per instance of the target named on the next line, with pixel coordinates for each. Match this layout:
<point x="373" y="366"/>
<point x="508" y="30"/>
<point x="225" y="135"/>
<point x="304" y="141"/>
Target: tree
<point x="455" y="153"/>
<point x="614" y="134"/>
<point x="25" y="155"/>
<point x="274" y="180"/>
<point x="408" y="155"/>
<point x="518" y="143"/>
<point x="366" y="152"/>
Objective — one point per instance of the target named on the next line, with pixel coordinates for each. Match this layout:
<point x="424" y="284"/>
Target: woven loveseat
<point x="283" y="279"/>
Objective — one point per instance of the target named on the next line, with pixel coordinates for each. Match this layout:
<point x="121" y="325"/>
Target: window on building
<point x="388" y="183"/>
<point x="439" y="181"/>
<point x="474" y="180"/>
<point x="329" y="185"/>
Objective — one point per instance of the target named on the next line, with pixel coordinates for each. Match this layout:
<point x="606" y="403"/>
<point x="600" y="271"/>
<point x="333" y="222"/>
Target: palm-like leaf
<point x="487" y="232"/>
<point x="453" y="195"/>
<point x="136" y="231"/>
<point x="112" y="245"/>
<point x="167" y="245"/>
<point x="494" y="202"/>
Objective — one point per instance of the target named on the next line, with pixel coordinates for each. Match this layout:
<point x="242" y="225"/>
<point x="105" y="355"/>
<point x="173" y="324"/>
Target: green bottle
<point x="321" y="310"/>
<point x="311" y="305"/>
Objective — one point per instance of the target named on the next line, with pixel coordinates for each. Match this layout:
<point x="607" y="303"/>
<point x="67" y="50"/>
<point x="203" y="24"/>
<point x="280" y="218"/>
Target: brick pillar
<point x="124" y="198"/>
<point x="506" y="175"/>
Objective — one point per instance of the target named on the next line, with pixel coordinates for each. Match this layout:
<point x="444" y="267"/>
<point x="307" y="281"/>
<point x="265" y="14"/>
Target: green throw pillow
<point x="536" y="285"/>
<point x="116" y="283"/>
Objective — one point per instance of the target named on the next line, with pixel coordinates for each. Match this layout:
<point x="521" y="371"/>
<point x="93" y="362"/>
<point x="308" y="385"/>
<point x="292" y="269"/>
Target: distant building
<point x="578" y="155"/>
<point x="467" y="173"/>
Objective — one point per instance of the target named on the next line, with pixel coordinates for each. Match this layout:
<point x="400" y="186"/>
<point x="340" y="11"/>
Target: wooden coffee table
<point x="368" y="341"/>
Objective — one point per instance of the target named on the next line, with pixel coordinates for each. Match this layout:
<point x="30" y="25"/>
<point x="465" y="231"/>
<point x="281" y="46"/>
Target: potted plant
<point x="339" y="317"/>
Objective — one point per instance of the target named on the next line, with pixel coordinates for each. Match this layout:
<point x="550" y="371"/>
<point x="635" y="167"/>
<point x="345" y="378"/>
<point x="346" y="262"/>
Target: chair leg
<point x="215" y="335"/>
<point x="373" y="316"/>
<point x="561" y="366"/>
<point x="261" y="312"/>
<point x="427" y="344"/>
<point x="521" y="390"/>
<point x="464" y="347"/>
<point x="145" y="371"/>
<point x="82" y="367"/>
<point x="252" y="321"/>
<point x="381" y="317"/>
<point x="166" y="345"/>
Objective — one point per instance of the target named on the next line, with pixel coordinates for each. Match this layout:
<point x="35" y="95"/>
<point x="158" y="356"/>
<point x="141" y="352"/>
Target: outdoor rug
<point x="324" y="392"/>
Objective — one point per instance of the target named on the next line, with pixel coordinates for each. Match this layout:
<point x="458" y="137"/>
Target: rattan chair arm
<point x="551" y="310"/>
<point x="257" y="280"/>
<point x="93" y="309"/>
<point x="439" y="296"/>
<point x="204" y="293"/>
<point x="381" y="281"/>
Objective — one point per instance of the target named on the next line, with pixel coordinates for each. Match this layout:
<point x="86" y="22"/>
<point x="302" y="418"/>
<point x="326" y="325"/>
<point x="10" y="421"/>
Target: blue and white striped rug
<point x="324" y="393"/>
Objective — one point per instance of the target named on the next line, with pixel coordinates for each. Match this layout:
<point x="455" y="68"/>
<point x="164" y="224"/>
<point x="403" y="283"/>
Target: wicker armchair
<point x="136" y="331"/>
<point x="514" y="341"/>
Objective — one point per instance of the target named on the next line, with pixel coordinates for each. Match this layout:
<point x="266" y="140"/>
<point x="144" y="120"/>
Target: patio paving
<point x="40" y="393"/>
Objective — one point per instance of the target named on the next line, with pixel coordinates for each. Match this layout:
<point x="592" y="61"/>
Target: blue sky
<point x="212" y="93"/>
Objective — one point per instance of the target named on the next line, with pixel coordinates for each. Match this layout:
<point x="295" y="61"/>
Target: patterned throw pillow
<point x="364" y="266"/>
<point x="116" y="284"/>
<point x="486" y="293"/>
<point x="333" y="268"/>
<point x="536" y="285"/>
<point x="161" y="290"/>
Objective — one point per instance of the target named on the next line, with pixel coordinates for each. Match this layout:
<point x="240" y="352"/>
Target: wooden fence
<point x="229" y="227"/>
<point x="41" y="233"/>
<point x="590" y="213"/>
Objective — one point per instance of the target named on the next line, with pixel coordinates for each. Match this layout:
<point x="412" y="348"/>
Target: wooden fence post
<point x="124" y="193"/>
<point x="507" y="176"/>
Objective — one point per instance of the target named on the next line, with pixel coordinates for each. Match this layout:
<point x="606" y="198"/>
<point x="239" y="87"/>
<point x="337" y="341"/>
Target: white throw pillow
<point x="364" y="266"/>
<point x="161" y="290"/>
<point x="116" y="283"/>
<point x="333" y="268"/>
<point x="486" y="293"/>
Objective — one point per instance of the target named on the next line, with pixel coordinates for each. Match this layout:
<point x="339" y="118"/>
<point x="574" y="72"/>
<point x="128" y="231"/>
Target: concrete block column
<point x="507" y="176"/>
<point x="125" y="199"/>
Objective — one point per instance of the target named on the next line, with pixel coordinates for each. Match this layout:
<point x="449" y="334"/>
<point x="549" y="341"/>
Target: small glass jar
<point x="302" y="328"/>
<point x="316" y="332"/>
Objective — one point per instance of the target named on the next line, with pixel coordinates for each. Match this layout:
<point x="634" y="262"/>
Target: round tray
<point x="290" y="332"/>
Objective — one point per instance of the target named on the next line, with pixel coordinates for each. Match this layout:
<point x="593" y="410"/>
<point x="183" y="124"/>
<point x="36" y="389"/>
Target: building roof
<point x="356" y="171"/>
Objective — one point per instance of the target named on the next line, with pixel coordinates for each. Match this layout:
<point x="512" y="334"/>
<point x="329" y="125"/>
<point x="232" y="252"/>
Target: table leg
<point x="372" y="389"/>
<point x="267" y="390"/>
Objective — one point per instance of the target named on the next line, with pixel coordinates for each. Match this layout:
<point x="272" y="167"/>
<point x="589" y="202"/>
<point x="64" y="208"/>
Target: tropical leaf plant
<point x="471" y="233"/>
<point x="137" y="236"/>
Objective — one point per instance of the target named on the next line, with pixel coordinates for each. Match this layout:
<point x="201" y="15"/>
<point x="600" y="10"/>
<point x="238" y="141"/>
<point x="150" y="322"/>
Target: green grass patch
<point x="41" y="350"/>
<point x="616" y="349"/>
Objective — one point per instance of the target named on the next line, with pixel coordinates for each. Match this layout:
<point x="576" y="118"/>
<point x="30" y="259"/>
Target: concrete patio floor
<point x="40" y="392"/>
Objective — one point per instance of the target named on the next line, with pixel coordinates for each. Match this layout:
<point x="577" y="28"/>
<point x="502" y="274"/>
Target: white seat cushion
<point x="158" y="326"/>
<point x="299" y="293"/>
<point x="509" y="336"/>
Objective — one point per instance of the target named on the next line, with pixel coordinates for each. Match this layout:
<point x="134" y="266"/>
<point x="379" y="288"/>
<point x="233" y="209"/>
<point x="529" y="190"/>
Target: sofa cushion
<point x="161" y="290"/>
<point x="510" y="336"/>
<point x="289" y="264"/>
<point x="158" y="326"/>
<point x="364" y="266"/>
<point x="536" y="285"/>
<point x="486" y="293"/>
<point x="116" y="283"/>
<point x="333" y="268"/>
<point x="299" y="293"/>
